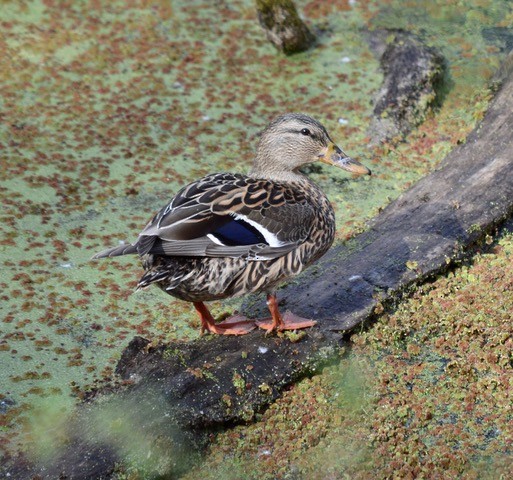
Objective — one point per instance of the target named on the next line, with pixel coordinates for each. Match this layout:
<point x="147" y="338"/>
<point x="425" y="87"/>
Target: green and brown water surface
<point x="107" y="108"/>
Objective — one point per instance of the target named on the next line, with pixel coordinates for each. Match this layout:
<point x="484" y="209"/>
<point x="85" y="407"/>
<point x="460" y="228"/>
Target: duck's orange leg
<point x="234" y="325"/>
<point x="288" y="321"/>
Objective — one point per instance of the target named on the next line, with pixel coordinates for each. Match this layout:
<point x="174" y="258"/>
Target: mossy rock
<point x="283" y="26"/>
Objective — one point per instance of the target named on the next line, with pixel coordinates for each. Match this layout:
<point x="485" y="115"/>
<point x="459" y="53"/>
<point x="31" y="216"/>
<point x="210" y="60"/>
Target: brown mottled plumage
<point x="226" y="235"/>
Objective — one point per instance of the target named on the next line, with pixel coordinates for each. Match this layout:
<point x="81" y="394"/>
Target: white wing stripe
<point x="271" y="239"/>
<point x="215" y="240"/>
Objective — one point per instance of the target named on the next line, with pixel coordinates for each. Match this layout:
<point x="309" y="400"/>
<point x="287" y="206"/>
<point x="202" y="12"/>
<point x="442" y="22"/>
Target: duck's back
<point x="249" y="234"/>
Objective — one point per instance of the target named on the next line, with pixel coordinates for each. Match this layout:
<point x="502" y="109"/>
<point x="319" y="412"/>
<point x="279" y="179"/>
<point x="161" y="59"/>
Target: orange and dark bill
<point x="335" y="156"/>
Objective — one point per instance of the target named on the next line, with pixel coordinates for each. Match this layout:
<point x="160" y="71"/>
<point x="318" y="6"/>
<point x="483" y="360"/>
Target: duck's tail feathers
<point x="154" y="276"/>
<point x="116" y="251"/>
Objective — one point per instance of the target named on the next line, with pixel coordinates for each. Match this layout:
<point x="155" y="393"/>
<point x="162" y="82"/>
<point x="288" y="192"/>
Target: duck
<point x="228" y="234"/>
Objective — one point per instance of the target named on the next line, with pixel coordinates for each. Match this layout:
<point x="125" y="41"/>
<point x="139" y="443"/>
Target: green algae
<point x="109" y="108"/>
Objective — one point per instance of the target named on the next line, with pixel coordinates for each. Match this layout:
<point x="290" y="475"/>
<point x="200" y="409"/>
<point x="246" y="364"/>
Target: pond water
<point x="108" y="108"/>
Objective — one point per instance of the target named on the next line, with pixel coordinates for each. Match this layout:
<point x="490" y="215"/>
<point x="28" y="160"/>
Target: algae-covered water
<point x="107" y="108"/>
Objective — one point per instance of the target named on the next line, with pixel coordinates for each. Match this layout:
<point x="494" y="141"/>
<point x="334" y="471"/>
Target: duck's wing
<point x="226" y="215"/>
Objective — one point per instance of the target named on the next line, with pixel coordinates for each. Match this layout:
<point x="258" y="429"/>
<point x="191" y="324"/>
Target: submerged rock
<point x="504" y="71"/>
<point x="283" y="26"/>
<point x="413" y="79"/>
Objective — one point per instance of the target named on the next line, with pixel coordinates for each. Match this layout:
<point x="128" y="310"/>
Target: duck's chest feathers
<point x="322" y="231"/>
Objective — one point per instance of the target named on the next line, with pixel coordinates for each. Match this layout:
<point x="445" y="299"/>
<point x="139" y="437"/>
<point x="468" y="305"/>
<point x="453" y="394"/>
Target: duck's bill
<point x="335" y="156"/>
<point x="347" y="163"/>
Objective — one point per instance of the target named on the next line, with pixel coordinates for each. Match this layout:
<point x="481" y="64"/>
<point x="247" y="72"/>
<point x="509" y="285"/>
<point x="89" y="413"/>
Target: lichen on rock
<point x="283" y="26"/>
<point x="413" y="77"/>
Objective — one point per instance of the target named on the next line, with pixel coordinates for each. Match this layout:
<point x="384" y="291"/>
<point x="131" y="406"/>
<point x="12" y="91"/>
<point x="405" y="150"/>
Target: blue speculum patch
<point x="238" y="232"/>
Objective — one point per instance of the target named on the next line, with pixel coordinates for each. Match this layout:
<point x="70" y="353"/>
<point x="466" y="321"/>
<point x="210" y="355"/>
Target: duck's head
<point x="293" y="140"/>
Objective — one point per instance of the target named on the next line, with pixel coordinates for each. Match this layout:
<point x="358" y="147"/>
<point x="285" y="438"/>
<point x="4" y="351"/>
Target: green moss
<point x="295" y="336"/>
<point x="267" y="6"/>
<point x="238" y="382"/>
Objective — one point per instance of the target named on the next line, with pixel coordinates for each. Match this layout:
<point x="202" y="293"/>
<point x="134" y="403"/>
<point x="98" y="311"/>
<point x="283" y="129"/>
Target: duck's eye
<point x="306" y="132"/>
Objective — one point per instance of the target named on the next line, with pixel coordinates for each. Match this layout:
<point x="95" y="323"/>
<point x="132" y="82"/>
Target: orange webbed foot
<point x="279" y="322"/>
<point x="289" y="321"/>
<point x="234" y="325"/>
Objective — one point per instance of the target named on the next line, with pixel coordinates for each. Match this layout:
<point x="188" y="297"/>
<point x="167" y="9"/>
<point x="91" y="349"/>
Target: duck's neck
<point x="278" y="175"/>
<point x="265" y="166"/>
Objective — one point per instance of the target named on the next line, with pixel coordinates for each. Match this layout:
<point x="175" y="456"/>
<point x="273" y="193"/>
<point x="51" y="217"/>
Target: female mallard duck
<point x="228" y="234"/>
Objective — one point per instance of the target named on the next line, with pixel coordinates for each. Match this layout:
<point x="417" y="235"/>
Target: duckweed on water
<point x="108" y="108"/>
